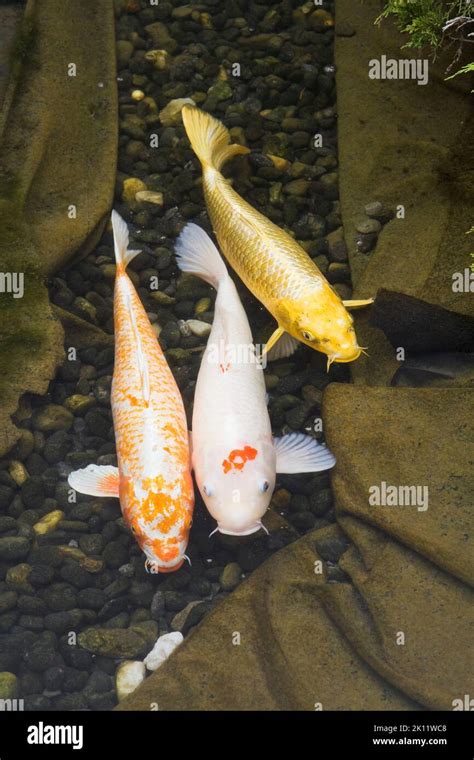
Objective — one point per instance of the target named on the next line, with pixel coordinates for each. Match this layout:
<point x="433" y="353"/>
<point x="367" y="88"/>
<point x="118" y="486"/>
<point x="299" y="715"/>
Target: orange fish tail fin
<point x="123" y="255"/>
<point x="209" y="138"/>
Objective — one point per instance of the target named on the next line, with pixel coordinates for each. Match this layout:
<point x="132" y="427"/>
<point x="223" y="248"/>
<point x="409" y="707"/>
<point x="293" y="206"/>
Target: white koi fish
<point x="235" y="457"/>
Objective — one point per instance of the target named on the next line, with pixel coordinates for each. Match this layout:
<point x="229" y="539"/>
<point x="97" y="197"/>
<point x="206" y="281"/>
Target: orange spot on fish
<point x="165" y="549"/>
<point x="238" y="458"/>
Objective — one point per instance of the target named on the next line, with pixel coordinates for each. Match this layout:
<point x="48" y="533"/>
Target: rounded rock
<point x="230" y="576"/>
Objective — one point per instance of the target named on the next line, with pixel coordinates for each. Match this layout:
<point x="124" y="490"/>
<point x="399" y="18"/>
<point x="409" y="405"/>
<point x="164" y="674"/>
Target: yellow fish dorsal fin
<point x="141" y="361"/>
<point x="209" y="138"/>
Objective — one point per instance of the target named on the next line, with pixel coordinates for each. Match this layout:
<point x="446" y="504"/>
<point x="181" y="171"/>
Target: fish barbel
<point x="269" y="261"/>
<point x="153" y="479"/>
<point x="235" y="457"/>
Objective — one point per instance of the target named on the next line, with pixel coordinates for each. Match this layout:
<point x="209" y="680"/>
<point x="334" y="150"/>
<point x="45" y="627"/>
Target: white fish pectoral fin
<point x="280" y="346"/>
<point x="358" y="304"/>
<point x="141" y="361"/>
<point x="96" y="480"/>
<point x="300" y="453"/>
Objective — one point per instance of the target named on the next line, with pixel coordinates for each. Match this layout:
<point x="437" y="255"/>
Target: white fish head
<point x="236" y="485"/>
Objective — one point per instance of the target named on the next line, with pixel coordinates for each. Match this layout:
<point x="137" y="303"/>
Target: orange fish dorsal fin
<point x="96" y="480"/>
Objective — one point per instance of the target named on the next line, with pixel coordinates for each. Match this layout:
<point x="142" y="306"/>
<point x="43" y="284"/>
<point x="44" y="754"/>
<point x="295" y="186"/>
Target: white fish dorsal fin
<point x="141" y="361"/>
<point x="300" y="453"/>
<point x="96" y="480"/>
<point x="123" y="256"/>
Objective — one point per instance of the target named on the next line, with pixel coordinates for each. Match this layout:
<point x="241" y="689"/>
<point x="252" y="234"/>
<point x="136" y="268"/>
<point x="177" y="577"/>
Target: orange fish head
<point x="161" y="525"/>
<point x="165" y="555"/>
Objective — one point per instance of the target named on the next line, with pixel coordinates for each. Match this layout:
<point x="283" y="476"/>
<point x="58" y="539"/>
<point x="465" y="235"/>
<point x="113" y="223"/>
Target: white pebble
<point x="184" y="328"/>
<point x="129" y="675"/>
<point x="198" y="328"/>
<point x="170" y="115"/>
<point x="164" y="646"/>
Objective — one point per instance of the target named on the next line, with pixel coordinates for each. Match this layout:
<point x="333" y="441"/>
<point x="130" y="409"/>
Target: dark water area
<point x="68" y="565"/>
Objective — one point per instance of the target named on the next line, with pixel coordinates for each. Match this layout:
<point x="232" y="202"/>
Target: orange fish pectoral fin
<point x="96" y="480"/>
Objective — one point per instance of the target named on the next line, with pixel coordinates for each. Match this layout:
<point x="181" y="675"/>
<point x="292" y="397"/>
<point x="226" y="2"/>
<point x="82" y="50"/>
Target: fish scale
<point x="271" y="263"/>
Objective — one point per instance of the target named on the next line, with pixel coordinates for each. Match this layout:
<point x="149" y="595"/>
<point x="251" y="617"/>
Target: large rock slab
<point x="419" y="326"/>
<point x="291" y="656"/>
<point x="406" y="145"/>
<point x="58" y="138"/>
<point x="419" y="437"/>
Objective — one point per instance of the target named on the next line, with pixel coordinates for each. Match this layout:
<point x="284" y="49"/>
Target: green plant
<point x="434" y="24"/>
<point x="422" y="20"/>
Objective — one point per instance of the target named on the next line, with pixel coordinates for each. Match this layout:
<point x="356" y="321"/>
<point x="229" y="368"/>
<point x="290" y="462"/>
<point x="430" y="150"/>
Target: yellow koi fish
<point x="268" y="260"/>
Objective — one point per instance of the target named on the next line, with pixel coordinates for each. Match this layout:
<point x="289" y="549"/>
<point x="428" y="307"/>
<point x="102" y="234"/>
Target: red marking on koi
<point x="238" y="458"/>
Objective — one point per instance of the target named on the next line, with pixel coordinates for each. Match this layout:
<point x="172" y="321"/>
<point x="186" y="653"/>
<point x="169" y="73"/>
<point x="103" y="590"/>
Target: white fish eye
<point x="264" y="486"/>
<point x="307" y="335"/>
<point x="207" y="489"/>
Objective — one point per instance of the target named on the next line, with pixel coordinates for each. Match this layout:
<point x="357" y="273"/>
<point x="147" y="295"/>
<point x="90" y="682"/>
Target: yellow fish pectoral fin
<point x="284" y="347"/>
<point x="272" y="340"/>
<point x="280" y="345"/>
<point x="358" y="304"/>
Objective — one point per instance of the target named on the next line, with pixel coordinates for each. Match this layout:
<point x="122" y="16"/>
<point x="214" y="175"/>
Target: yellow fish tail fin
<point x="209" y="138"/>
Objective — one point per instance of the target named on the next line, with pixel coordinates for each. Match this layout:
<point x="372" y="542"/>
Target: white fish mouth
<point x="247" y="532"/>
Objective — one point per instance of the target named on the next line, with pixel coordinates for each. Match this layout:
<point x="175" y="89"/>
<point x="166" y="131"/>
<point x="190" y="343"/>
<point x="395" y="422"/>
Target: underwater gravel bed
<point x="67" y="566"/>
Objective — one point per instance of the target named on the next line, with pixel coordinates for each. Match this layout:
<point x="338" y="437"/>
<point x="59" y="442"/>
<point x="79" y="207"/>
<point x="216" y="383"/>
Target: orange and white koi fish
<point x="153" y="479"/>
<point x="235" y="457"/>
<point x="269" y="261"/>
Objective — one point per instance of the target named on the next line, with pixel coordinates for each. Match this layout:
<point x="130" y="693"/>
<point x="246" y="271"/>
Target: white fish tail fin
<point x="123" y="256"/>
<point x="196" y="254"/>
<point x="209" y="138"/>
